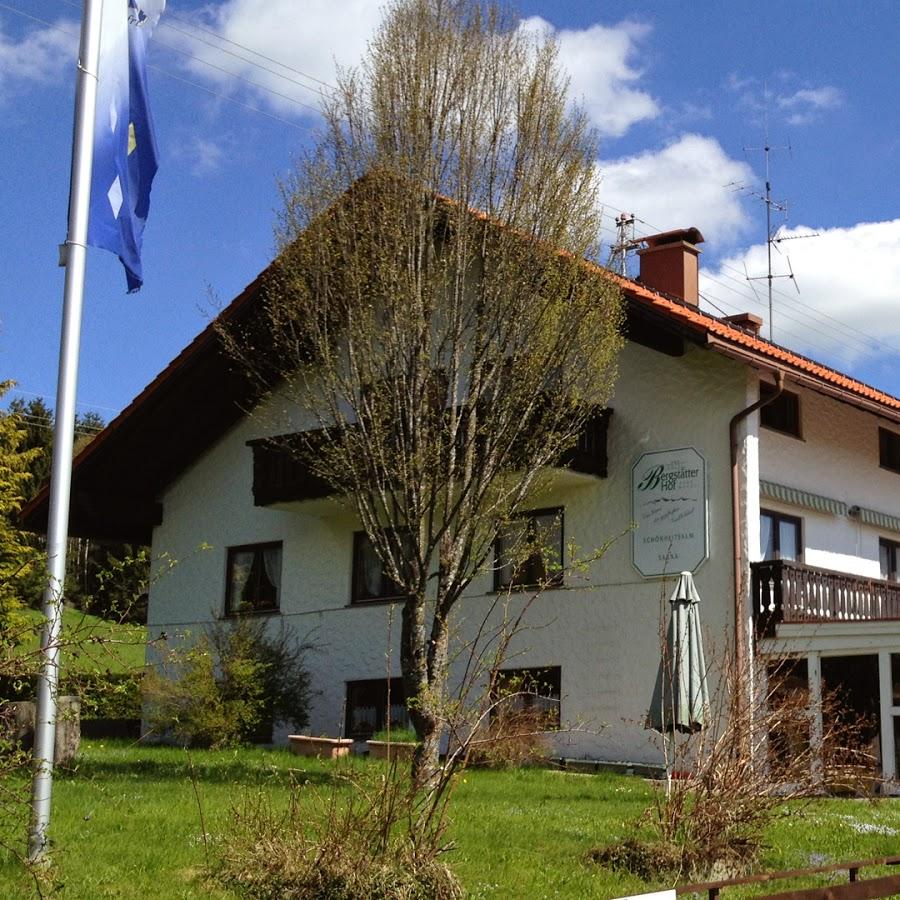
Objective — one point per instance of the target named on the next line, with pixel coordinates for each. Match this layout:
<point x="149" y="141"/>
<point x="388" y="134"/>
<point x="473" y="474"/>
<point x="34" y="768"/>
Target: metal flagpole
<point x="73" y="257"/>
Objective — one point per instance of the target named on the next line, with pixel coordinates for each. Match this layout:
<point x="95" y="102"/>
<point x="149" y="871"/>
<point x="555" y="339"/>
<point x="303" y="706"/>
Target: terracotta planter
<point x="391" y="750"/>
<point x="323" y="747"/>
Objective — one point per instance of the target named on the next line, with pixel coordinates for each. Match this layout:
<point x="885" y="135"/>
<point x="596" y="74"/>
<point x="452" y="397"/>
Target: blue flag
<point x="124" y="144"/>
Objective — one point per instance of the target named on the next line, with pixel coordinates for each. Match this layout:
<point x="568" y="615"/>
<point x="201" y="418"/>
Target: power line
<point x="173" y="76"/>
<point x="840" y="327"/>
<point x="717" y="308"/>
<point x="47" y="425"/>
<point x="250" y="62"/>
<point x="222" y="96"/>
<point x="791" y="299"/>
<point x="831" y="336"/>
<point x="229" y="72"/>
<point x="91" y="407"/>
<point x="236" y="75"/>
<point x="844" y="330"/>
<point x="25" y="15"/>
<point x="193" y="24"/>
<point x="801" y="337"/>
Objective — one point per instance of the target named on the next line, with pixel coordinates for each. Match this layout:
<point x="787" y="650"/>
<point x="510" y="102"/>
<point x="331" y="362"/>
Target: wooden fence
<point x="853" y="889"/>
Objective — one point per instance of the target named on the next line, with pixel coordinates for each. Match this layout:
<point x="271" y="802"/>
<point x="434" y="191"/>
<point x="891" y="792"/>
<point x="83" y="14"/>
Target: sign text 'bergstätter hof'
<point x="668" y="491"/>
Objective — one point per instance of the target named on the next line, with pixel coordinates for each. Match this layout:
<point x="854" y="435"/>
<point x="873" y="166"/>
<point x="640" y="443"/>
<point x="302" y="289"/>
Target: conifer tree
<point x="17" y="557"/>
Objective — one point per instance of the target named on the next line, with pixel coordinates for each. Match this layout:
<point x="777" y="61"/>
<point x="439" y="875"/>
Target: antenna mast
<point x="770" y="235"/>
<point x="618" y="253"/>
<point x="779" y="206"/>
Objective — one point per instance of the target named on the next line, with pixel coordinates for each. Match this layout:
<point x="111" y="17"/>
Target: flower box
<point x="391" y="750"/>
<point x="323" y="747"/>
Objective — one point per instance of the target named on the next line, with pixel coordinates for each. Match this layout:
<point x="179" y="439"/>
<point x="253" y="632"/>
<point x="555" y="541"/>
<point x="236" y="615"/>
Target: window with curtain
<point x="779" y="536"/>
<point x="370" y="579"/>
<point x="371" y="707"/>
<point x="528" y="551"/>
<point x="253" y="579"/>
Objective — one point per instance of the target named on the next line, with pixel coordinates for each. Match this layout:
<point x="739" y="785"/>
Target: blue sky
<point x="678" y="92"/>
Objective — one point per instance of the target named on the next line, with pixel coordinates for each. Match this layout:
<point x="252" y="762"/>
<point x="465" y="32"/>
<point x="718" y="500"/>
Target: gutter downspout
<point x="740" y="619"/>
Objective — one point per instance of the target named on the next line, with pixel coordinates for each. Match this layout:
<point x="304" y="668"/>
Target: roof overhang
<point x="795" y="375"/>
<point x="118" y="478"/>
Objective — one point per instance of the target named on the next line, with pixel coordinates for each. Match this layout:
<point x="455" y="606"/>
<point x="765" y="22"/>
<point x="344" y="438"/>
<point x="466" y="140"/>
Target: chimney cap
<point x="746" y="320"/>
<point x="688" y="235"/>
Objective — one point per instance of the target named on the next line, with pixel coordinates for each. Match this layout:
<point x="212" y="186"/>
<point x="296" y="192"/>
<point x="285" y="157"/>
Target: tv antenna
<point x="618" y="252"/>
<point x="773" y="236"/>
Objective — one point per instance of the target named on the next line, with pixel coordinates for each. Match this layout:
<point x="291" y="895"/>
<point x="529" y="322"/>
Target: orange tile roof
<point x="723" y="335"/>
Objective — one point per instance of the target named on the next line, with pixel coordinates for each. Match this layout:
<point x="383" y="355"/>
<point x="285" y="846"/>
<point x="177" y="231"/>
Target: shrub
<point x="230" y="687"/>
<point x="517" y="738"/>
<point x="106" y="695"/>
<point x="347" y="849"/>
<point x="649" y="860"/>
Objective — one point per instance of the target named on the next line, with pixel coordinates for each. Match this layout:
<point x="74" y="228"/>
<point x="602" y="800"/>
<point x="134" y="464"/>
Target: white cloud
<point x="307" y="37"/>
<point x="311" y="37"/>
<point x="598" y="58"/>
<point x="599" y="61"/>
<point x="849" y="274"/>
<point x="204" y="157"/>
<point x="806" y="104"/>
<point x="40" y="56"/>
<point x="798" y="105"/>
<point x="682" y="185"/>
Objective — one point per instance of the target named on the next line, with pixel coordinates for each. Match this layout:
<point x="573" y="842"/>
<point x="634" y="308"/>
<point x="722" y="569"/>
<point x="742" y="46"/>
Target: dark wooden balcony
<point x="589" y="455"/>
<point x="791" y="593"/>
<point x="281" y="475"/>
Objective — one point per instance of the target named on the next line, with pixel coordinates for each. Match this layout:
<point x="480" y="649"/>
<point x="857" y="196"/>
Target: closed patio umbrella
<point x="681" y="697"/>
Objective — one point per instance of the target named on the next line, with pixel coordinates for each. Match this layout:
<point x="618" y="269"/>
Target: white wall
<point x="836" y="457"/>
<point x="602" y="631"/>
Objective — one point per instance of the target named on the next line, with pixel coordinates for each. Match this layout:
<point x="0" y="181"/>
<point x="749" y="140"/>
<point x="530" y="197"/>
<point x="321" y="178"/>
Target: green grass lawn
<point x="126" y="824"/>
<point x="101" y="644"/>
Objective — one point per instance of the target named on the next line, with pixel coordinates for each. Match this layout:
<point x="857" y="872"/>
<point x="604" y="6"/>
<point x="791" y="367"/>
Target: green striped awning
<point x="879" y="519"/>
<point x="795" y="497"/>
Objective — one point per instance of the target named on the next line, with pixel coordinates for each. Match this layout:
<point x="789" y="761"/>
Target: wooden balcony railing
<point x="788" y="592"/>
<point x="281" y="475"/>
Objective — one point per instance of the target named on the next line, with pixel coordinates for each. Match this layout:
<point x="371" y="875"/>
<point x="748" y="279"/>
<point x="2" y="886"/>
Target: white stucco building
<point x="807" y="565"/>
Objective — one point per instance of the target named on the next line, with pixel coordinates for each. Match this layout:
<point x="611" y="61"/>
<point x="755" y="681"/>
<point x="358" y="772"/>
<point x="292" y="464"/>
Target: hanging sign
<point x="668" y="497"/>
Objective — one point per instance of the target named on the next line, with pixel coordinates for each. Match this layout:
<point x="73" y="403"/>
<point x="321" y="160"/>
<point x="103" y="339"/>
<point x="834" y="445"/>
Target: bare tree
<point x="435" y="309"/>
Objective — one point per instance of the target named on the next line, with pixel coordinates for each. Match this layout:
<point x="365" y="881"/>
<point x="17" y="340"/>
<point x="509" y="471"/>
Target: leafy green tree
<point x="17" y="556"/>
<point x="433" y="308"/>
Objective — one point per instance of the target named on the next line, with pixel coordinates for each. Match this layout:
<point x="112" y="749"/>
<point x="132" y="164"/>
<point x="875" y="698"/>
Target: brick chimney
<point x="669" y="263"/>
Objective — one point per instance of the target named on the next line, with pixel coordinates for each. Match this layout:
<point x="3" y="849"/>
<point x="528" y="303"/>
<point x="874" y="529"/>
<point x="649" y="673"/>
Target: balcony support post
<point x="816" y="724"/>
